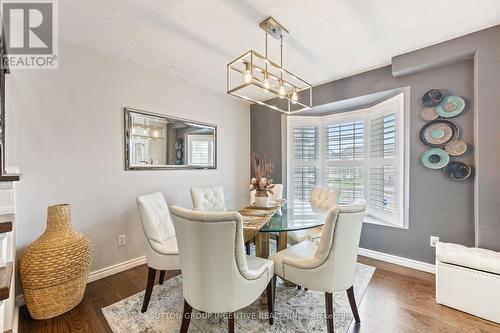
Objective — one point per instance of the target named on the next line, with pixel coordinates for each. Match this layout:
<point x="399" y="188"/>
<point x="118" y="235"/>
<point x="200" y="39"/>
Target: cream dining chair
<point x="321" y="200"/>
<point x="329" y="266"/>
<point x="208" y="198"/>
<point x="161" y="245"/>
<point x="217" y="276"/>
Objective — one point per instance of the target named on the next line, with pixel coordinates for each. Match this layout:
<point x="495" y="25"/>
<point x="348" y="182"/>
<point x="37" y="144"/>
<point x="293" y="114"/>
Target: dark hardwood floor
<point x="398" y="299"/>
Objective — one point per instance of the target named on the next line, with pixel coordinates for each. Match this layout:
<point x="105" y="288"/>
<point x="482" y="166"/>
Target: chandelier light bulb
<point x="294" y="97"/>
<point x="248" y="73"/>
<point x="267" y="85"/>
<point x="248" y="76"/>
<point x="282" y="89"/>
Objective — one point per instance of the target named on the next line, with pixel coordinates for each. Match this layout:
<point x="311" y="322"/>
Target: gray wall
<point x="484" y="48"/>
<point x="437" y="206"/>
<point x="266" y="138"/>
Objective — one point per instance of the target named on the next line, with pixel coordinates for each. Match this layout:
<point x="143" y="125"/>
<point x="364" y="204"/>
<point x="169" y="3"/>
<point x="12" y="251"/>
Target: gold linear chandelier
<point x="255" y="78"/>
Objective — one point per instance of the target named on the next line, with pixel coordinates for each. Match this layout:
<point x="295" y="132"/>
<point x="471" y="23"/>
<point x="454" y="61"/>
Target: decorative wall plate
<point x="429" y="114"/>
<point x="451" y="106"/>
<point x="456" y="147"/>
<point x="432" y="98"/>
<point x="457" y="171"/>
<point x="435" y="158"/>
<point x="438" y="133"/>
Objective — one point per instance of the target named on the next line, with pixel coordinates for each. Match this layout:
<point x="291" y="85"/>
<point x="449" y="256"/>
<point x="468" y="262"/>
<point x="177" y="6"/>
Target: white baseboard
<point x="15" y="322"/>
<point x="19" y="301"/>
<point x="410" y="263"/>
<point x="102" y="273"/>
<point x="113" y="269"/>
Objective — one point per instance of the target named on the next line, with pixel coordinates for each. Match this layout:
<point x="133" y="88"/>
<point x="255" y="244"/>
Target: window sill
<point x="373" y="220"/>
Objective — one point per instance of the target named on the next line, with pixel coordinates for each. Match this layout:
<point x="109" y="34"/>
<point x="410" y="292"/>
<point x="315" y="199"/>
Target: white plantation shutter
<point x="305" y="143"/>
<point x="344" y="155"/>
<point x="304" y="178"/>
<point x="344" y="141"/>
<point x="384" y="190"/>
<point x="349" y="180"/>
<point x="360" y="153"/>
<point x="383" y="136"/>
<point x="383" y="164"/>
<point x="304" y="166"/>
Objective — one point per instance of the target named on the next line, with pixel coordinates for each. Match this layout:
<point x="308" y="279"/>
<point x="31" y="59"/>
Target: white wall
<point x="65" y="132"/>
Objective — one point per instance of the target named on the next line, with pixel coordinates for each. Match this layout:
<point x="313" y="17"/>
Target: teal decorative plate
<point x="451" y="106"/>
<point x="435" y="158"/>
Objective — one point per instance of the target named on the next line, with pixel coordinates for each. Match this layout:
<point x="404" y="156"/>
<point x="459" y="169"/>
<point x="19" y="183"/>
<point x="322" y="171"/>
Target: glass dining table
<point x="283" y="221"/>
<point x="279" y="219"/>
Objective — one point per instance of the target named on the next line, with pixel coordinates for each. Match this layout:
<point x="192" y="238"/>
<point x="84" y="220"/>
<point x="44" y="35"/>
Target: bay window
<point x="361" y="153"/>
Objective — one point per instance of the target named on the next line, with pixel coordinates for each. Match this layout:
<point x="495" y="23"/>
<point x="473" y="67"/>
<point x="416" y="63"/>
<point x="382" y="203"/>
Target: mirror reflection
<point x="157" y="141"/>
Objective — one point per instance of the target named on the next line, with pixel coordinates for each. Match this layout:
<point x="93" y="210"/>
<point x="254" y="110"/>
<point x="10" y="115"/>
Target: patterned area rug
<point x="295" y="310"/>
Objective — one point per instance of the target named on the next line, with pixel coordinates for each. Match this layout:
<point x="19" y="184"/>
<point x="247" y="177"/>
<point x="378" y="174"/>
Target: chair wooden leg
<point x="329" y="312"/>
<point x="162" y="276"/>
<point x="230" y="322"/>
<point x="186" y="317"/>
<point x="149" y="288"/>
<point x="352" y="302"/>
<point x="270" y="301"/>
<point x="247" y="248"/>
<point x="274" y="289"/>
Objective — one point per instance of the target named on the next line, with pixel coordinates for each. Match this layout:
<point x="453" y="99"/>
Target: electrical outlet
<point x="122" y="239"/>
<point x="434" y="240"/>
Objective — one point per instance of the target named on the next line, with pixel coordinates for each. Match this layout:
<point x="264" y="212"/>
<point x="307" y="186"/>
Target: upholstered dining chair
<point x="321" y="200"/>
<point x="208" y="198"/>
<point x="161" y="244"/>
<point x="329" y="266"/>
<point x="217" y="276"/>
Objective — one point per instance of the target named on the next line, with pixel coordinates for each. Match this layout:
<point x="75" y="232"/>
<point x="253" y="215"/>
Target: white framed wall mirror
<point x="158" y="142"/>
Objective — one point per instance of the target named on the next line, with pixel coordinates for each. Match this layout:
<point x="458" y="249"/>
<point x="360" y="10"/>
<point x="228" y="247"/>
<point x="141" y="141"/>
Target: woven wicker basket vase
<point x="54" y="268"/>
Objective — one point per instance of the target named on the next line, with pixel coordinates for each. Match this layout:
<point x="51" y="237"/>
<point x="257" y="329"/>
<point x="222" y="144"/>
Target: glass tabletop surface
<point x="292" y="220"/>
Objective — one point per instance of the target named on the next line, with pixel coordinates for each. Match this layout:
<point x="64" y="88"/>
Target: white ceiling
<point x="194" y="39"/>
